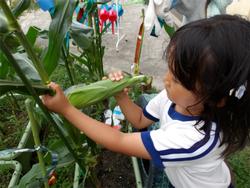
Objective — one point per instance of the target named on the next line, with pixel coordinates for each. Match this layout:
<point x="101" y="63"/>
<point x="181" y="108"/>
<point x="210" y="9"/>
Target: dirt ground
<point x="115" y="170"/>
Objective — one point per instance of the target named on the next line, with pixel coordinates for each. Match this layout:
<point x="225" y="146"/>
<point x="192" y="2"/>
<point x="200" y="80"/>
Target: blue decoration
<point x="46" y="5"/>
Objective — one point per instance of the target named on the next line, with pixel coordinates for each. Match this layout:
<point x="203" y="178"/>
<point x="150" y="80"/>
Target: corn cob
<point x="84" y="95"/>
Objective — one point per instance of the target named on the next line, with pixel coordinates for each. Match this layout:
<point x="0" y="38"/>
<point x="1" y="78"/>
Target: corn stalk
<point x="32" y="91"/>
<point x="35" y="132"/>
<point x="20" y="35"/>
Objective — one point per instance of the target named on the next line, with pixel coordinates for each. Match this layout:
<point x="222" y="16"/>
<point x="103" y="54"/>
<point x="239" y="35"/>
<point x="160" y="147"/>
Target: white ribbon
<point x="239" y="92"/>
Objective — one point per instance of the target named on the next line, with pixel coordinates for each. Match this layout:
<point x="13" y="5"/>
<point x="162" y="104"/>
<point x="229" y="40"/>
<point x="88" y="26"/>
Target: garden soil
<point x="115" y="170"/>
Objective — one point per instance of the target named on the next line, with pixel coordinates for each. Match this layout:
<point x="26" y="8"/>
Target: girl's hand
<point x="117" y="76"/>
<point x="57" y="103"/>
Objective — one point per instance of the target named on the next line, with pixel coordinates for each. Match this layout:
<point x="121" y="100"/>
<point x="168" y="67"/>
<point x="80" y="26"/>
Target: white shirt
<point x="190" y="157"/>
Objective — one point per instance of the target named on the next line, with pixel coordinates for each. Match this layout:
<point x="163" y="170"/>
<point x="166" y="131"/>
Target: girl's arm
<point x="126" y="143"/>
<point x="133" y="113"/>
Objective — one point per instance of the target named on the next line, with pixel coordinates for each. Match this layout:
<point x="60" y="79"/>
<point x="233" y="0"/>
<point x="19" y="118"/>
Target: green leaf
<point x="105" y="28"/>
<point x="58" y="28"/>
<point x="64" y="130"/>
<point x="4" y="66"/>
<point x="24" y="63"/>
<point x="32" y="34"/>
<point x="27" y="66"/>
<point x="170" y="30"/>
<point x="64" y="156"/>
<point x="32" y="178"/>
<point x="4" y="25"/>
<point x="12" y="42"/>
<point x="82" y="60"/>
<point x="19" y="87"/>
<point x="83" y="37"/>
<point x="21" y="7"/>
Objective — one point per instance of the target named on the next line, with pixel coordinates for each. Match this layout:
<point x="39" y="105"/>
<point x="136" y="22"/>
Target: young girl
<point x="204" y="111"/>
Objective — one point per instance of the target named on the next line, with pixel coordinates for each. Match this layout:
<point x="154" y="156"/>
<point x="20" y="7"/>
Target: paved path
<point x="152" y="62"/>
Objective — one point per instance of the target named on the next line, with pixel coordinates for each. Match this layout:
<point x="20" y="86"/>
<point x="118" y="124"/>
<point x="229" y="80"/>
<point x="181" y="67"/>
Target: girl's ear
<point x="221" y="103"/>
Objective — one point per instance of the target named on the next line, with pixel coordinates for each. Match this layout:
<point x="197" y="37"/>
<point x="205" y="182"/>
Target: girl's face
<point x="185" y="100"/>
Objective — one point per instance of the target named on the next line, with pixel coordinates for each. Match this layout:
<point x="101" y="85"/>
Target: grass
<point x="12" y="122"/>
<point x="240" y="163"/>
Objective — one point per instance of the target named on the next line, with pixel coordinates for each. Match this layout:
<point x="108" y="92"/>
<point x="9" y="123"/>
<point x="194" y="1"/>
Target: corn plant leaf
<point x="83" y="37"/>
<point x="32" y="34"/>
<point x="21" y="7"/>
<point x="27" y="67"/>
<point x="59" y="121"/>
<point x="12" y="42"/>
<point x="82" y="61"/>
<point x="19" y="87"/>
<point x="59" y="26"/>
<point x="4" y="25"/>
<point x="4" y="66"/>
<point x="32" y="178"/>
<point x="25" y="64"/>
<point x="64" y="156"/>
<point x="105" y="28"/>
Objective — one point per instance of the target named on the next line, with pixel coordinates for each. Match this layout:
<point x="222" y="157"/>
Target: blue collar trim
<point x="178" y="116"/>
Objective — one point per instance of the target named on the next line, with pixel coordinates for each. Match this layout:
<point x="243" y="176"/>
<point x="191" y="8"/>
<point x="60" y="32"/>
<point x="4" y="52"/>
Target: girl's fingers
<point x="104" y="78"/>
<point x="45" y="99"/>
<point x="53" y="86"/>
<point x="115" y="76"/>
<point x="111" y="76"/>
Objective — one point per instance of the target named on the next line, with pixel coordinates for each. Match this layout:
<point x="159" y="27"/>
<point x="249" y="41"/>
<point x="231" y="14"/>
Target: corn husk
<point x="84" y="95"/>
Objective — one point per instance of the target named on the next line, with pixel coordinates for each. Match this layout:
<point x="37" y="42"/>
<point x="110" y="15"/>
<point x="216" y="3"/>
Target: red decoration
<point x="103" y="15"/>
<point x="52" y="179"/>
<point x="112" y="19"/>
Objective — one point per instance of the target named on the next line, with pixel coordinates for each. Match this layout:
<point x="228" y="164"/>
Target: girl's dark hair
<point x="211" y="57"/>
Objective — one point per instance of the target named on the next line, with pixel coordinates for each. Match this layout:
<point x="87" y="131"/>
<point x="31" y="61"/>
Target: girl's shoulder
<point x="178" y="142"/>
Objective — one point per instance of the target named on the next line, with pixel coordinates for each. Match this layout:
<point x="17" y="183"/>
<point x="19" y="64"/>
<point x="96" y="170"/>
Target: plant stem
<point x="14" y="100"/>
<point x="99" y="47"/>
<point x="13" y="105"/>
<point x="31" y="90"/>
<point x="135" y="166"/>
<point x="69" y="70"/>
<point x="35" y="132"/>
<point x="20" y="35"/>
<point x="95" y="180"/>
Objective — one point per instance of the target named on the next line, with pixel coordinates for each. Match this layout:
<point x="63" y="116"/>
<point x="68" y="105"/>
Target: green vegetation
<point x="22" y="61"/>
<point x="240" y="164"/>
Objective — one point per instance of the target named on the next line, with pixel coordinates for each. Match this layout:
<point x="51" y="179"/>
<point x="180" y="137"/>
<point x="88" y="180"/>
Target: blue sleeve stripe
<point x="149" y="116"/>
<point x="147" y="141"/>
<point x="197" y="156"/>
<point x="192" y="149"/>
